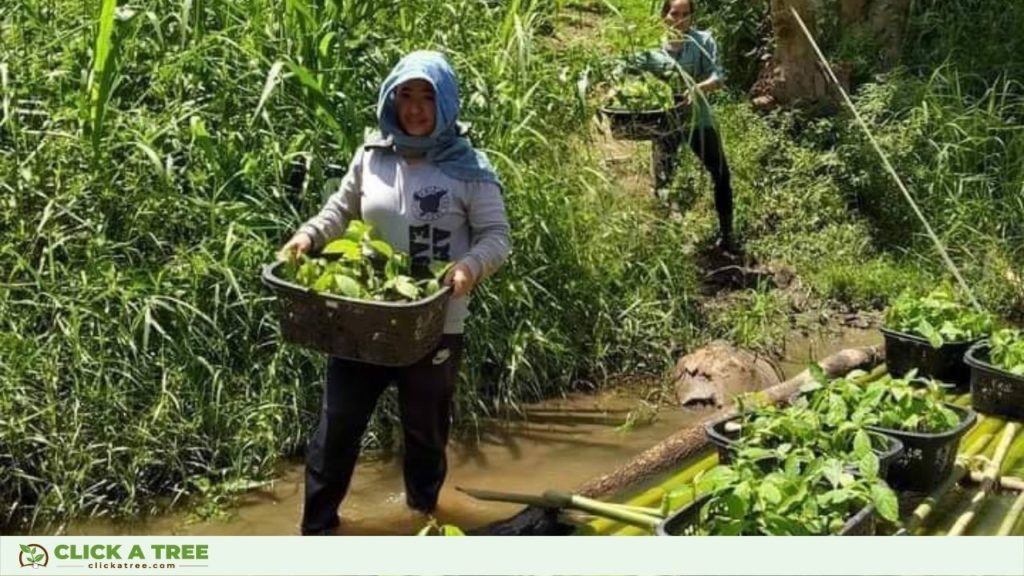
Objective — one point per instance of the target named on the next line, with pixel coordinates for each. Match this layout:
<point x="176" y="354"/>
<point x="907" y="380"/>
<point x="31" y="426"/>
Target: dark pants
<point x="425" y="392"/>
<point x="706" y="144"/>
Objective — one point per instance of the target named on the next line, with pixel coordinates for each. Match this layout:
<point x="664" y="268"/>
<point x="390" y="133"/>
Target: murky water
<point x="558" y="444"/>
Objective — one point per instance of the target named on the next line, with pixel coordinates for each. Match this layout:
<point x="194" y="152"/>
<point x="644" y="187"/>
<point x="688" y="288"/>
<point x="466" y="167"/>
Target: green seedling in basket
<point x="1007" y="350"/>
<point x="361" y="265"/>
<point x="805" y="495"/>
<point x="890" y="403"/>
<point x="939" y="317"/>
<point x="643" y="92"/>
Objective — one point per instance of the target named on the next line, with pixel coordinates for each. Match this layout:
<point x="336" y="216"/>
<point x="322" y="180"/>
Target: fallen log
<point x="686" y="443"/>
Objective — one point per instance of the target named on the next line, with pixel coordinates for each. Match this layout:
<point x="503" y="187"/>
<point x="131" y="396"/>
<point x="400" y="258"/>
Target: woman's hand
<point x="460" y="278"/>
<point x="297" y="246"/>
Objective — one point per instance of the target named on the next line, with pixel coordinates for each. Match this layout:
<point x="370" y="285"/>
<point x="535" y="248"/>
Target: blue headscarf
<point x="445" y="146"/>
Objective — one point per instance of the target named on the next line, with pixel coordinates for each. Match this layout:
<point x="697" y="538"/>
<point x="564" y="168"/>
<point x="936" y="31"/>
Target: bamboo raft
<point x="984" y="495"/>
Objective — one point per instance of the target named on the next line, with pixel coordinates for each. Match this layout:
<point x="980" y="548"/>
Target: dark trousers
<point x="706" y="144"/>
<point x="425" y="392"/>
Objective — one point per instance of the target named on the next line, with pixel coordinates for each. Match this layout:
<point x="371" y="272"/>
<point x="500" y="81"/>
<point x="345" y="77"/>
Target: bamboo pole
<point x="655" y="495"/>
<point x="1005" y="482"/>
<point x="988" y="482"/>
<point x="1012" y="517"/>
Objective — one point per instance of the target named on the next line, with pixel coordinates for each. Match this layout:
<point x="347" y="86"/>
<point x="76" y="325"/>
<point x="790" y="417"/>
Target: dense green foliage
<point x="938" y="316"/>
<point x="805" y="495"/>
<point x="897" y="404"/>
<point x="1007" y="350"/>
<point x="640" y="92"/>
<point x="361" y="265"/>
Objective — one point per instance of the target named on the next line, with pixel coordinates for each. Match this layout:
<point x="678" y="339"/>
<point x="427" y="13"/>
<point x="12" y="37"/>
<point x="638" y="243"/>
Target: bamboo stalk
<point x="1005" y="482"/>
<point x="653" y="495"/>
<point x="1012" y="517"/>
<point x="1014" y="456"/>
<point x="636" y="515"/>
<point x="987" y="483"/>
<point x="960" y="469"/>
<point x="603" y="509"/>
<point x="985" y="425"/>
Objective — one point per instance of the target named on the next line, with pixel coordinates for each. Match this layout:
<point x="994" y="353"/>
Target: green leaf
<point x="438" y="268"/>
<point x="868" y="466"/>
<point x="861" y="443"/>
<point x="769" y="493"/>
<point x="885" y="502"/>
<point x="406" y="287"/>
<point x="27" y="549"/>
<point x="924" y="328"/>
<point x="450" y="530"/>
<point x="381" y="247"/>
<point x="323" y="283"/>
<point x="346" y="247"/>
<point x="357" y="230"/>
<point x="347" y="286"/>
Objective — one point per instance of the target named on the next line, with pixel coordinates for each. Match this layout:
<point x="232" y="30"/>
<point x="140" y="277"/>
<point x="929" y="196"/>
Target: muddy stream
<point x="559" y="443"/>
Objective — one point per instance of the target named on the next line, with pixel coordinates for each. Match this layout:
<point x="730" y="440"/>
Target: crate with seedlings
<point x="997" y="374"/>
<point x="642" y="107"/>
<point x="931" y="334"/>
<point x="912" y="412"/>
<point x="362" y="300"/>
<point x="806" y="495"/>
<point x="769" y="433"/>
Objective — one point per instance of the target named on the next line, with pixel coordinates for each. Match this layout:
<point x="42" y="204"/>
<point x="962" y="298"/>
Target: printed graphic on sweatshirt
<point x="427" y="243"/>
<point x="431" y="203"/>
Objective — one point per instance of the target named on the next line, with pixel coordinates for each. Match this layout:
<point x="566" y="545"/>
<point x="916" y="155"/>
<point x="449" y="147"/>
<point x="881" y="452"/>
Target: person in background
<point x="693" y="51"/>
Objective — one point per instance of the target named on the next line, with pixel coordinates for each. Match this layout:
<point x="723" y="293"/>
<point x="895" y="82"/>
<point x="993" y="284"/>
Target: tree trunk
<point x="795" y="77"/>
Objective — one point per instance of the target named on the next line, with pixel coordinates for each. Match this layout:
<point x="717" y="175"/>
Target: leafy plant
<point x="774" y="432"/>
<point x="359" y="265"/>
<point x="640" y="92"/>
<point x="805" y="496"/>
<point x="892" y="403"/>
<point x="1007" y="350"/>
<point x="435" y="528"/>
<point x="939" y="317"/>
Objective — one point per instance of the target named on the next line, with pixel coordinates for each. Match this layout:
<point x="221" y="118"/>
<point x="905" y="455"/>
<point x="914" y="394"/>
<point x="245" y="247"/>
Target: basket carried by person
<point x="359" y="301"/>
<point x="643" y="107"/>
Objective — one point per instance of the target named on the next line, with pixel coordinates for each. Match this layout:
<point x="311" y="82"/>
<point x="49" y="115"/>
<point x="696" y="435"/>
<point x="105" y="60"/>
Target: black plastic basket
<point x="382" y="333"/>
<point x="994" y="390"/>
<point x="725" y="445"/>
<point x="646" y="124"/>
<point x="926" y="459"/>
<point x="905" y="352"/>
<point x="683" y="522"/>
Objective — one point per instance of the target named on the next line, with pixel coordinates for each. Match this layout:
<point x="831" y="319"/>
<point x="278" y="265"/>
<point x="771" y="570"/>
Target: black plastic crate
<point x="684" y="521"/>
<point x="927" y="459"/>
<point x="646" y="124"/>
<point x="994" y="390"/>
<point x="382" y="333"/>
<point x="725" y="445"/>
<point x="905" y="352"/>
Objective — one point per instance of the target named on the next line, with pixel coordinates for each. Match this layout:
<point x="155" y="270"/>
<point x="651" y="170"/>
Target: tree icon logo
<point x="33" y="555"/>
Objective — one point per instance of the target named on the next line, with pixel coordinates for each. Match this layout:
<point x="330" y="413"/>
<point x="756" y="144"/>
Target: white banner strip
<point x="498" y="556"/>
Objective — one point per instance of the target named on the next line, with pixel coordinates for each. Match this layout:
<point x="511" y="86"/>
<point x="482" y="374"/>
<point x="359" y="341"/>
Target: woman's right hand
<point x="299" y="244"/>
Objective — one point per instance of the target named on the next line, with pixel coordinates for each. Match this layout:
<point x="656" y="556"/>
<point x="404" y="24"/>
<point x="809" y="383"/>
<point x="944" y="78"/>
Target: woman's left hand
<point x="460" y="278"/>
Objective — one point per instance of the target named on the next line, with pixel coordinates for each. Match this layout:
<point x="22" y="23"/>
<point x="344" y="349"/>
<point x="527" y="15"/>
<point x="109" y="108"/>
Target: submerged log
<point x="688" y="442"/>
